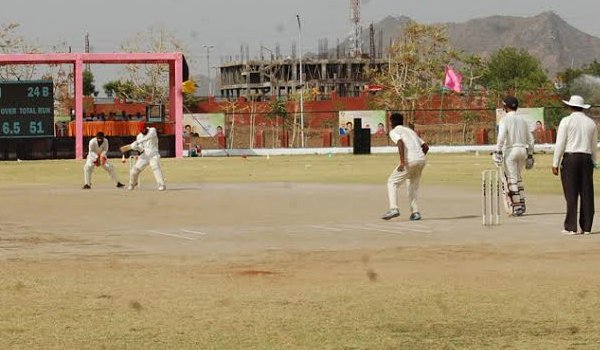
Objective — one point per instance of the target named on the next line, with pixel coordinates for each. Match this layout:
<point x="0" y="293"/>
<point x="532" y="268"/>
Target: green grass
<point x="442" y="169"/>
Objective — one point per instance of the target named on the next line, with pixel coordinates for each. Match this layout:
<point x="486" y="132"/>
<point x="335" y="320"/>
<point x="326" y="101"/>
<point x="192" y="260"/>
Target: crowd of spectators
<point x="112" y="116"/>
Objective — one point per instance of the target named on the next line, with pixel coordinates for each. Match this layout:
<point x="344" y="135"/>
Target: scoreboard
<point x="26" y="108"/>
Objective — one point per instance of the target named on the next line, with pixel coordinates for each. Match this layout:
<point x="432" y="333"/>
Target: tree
<point x="120" y="89"/>
<point x="474" y="66"/>
<point x="278" y="109"/>
<point x="584" y="81"/>
<point x="89" y="88"/>
<point x="151" y="81"/>
<point x="415" y="67"/>
<point x="10" y="42"/>
<point x="190" y="101"/>
<point x="513" y="69"/>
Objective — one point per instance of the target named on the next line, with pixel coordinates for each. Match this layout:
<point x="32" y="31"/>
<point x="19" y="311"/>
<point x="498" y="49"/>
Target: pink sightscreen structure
<point x="175" y="61"/>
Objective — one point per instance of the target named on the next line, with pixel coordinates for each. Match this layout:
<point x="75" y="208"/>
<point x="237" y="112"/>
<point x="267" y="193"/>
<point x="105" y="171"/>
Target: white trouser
<point x="89" y="166"/>
<point x="412" y="176"/>
<point x="514" y="163"/>
<point x="141" y="164"/>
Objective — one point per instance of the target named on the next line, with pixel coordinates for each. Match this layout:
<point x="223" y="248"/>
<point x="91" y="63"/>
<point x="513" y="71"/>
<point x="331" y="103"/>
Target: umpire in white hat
<point x="575" y="152"/>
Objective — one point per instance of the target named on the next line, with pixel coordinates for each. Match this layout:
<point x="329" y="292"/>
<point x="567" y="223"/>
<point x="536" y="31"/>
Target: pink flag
<point x="453" y="80"/>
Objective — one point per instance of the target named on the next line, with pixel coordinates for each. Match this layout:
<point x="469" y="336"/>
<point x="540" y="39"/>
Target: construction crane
<point x="356" y="34"/>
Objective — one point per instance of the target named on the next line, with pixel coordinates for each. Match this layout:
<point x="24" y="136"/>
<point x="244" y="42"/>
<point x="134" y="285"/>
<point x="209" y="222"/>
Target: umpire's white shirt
<point x="577" y="133"/>
<point x="513" y="131"/>
<point x="95" y="149"/>
<point x="412" y="143"/>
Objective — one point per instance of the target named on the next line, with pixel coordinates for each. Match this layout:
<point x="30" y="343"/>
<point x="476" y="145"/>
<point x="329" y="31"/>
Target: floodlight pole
<point x="208" y="48"/>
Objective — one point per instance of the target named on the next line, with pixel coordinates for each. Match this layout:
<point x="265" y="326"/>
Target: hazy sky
<point x="226" y="24"/>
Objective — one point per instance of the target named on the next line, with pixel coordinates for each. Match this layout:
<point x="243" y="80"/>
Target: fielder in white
<point x="515" y="144"/>
<point x="97" y="149"/>
<point x="147" y="144"/>
<point x="412" y="150"/>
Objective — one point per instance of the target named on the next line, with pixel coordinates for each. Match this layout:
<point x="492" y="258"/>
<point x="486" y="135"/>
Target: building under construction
<point x="262" y="79"/>
<point x="341" y="70"/>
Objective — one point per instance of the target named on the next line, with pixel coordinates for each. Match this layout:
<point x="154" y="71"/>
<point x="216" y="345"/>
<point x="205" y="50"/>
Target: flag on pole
<point x="453" y="80"/>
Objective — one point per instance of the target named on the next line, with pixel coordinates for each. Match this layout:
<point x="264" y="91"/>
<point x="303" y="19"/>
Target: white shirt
<point x="412" y="142"/>
<point x="513" y="131"/>
<point x="147" y="143"/>
<point x="577" y="133"/>
<point x="94" y="149"/>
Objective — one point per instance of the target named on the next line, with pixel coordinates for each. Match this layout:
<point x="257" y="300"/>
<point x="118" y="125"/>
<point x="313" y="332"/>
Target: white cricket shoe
<point x="567" y="232"/>
<point x="162" y="187"/>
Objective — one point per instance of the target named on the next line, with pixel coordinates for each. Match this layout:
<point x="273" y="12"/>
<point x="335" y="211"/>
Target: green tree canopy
<point x="513" y="69"/>
<point x="89" y="88"/>
<point x="415" y="67"/>
<point x="584" y="81"/>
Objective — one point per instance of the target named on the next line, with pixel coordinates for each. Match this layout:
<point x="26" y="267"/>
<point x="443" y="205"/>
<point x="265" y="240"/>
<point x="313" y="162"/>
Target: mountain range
<point x="557" y="44"/>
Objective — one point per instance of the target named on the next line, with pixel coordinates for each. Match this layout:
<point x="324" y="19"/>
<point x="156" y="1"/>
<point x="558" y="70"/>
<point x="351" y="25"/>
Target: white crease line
<point x="402" y="227"/>
<point x="326" y="228"/>
<point x="171" y="235"/>
<point x="195" y="232"/>
<point x="382" y="230"/>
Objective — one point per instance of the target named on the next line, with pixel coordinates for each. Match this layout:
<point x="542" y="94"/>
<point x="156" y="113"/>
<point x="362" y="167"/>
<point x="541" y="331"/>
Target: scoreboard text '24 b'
<point x="26" y="108"/>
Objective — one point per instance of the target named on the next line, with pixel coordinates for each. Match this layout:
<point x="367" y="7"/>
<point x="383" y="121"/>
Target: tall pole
<point x="208" y="48"/>
<point x="301" y="82"/>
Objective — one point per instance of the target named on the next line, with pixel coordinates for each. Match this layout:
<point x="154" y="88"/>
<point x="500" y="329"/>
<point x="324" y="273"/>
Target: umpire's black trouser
<point x="577" y="175"/>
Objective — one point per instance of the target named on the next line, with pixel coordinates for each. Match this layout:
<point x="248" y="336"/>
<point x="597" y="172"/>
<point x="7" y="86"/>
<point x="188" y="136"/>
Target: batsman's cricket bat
<point x="125" y="148"/>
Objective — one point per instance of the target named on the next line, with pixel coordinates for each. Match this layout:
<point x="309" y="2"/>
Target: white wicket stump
<point x="132" y="161"/>
<point x="490" y="193"/>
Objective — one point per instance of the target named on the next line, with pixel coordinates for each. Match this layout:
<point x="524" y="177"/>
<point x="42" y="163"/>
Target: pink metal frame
<point x="78" y="60"/>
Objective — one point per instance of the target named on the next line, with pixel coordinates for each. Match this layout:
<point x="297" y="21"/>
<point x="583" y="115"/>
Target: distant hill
<point x="548" y="37"/>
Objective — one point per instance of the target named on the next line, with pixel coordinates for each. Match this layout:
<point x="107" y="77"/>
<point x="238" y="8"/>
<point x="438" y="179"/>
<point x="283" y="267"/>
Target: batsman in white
<point x="97" y="149"/>
<point x="147" y="144"/>
<point x="514" y="152"/>
<point x="412" y="150"/>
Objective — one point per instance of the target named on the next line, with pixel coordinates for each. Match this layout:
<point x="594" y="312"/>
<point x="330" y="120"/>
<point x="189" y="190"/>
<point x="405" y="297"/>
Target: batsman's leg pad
<point x="157" y="171"/>
<point x="134" y="176"/>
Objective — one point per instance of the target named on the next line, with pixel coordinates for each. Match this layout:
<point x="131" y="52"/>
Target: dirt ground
<point x="226" y="221"/>
<point x="317" y="233"/>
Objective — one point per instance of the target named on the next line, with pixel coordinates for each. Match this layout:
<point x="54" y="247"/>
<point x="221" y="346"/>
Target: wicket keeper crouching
<point x="96" y="157"/>
<point x="146" y="144"/>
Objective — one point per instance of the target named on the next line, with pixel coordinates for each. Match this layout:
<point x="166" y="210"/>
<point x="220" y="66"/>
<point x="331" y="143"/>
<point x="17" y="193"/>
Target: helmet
<point x="142" y="126"/>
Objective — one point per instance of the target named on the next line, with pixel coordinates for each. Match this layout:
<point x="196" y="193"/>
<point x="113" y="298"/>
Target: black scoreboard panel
<point x="26" y="108"/>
